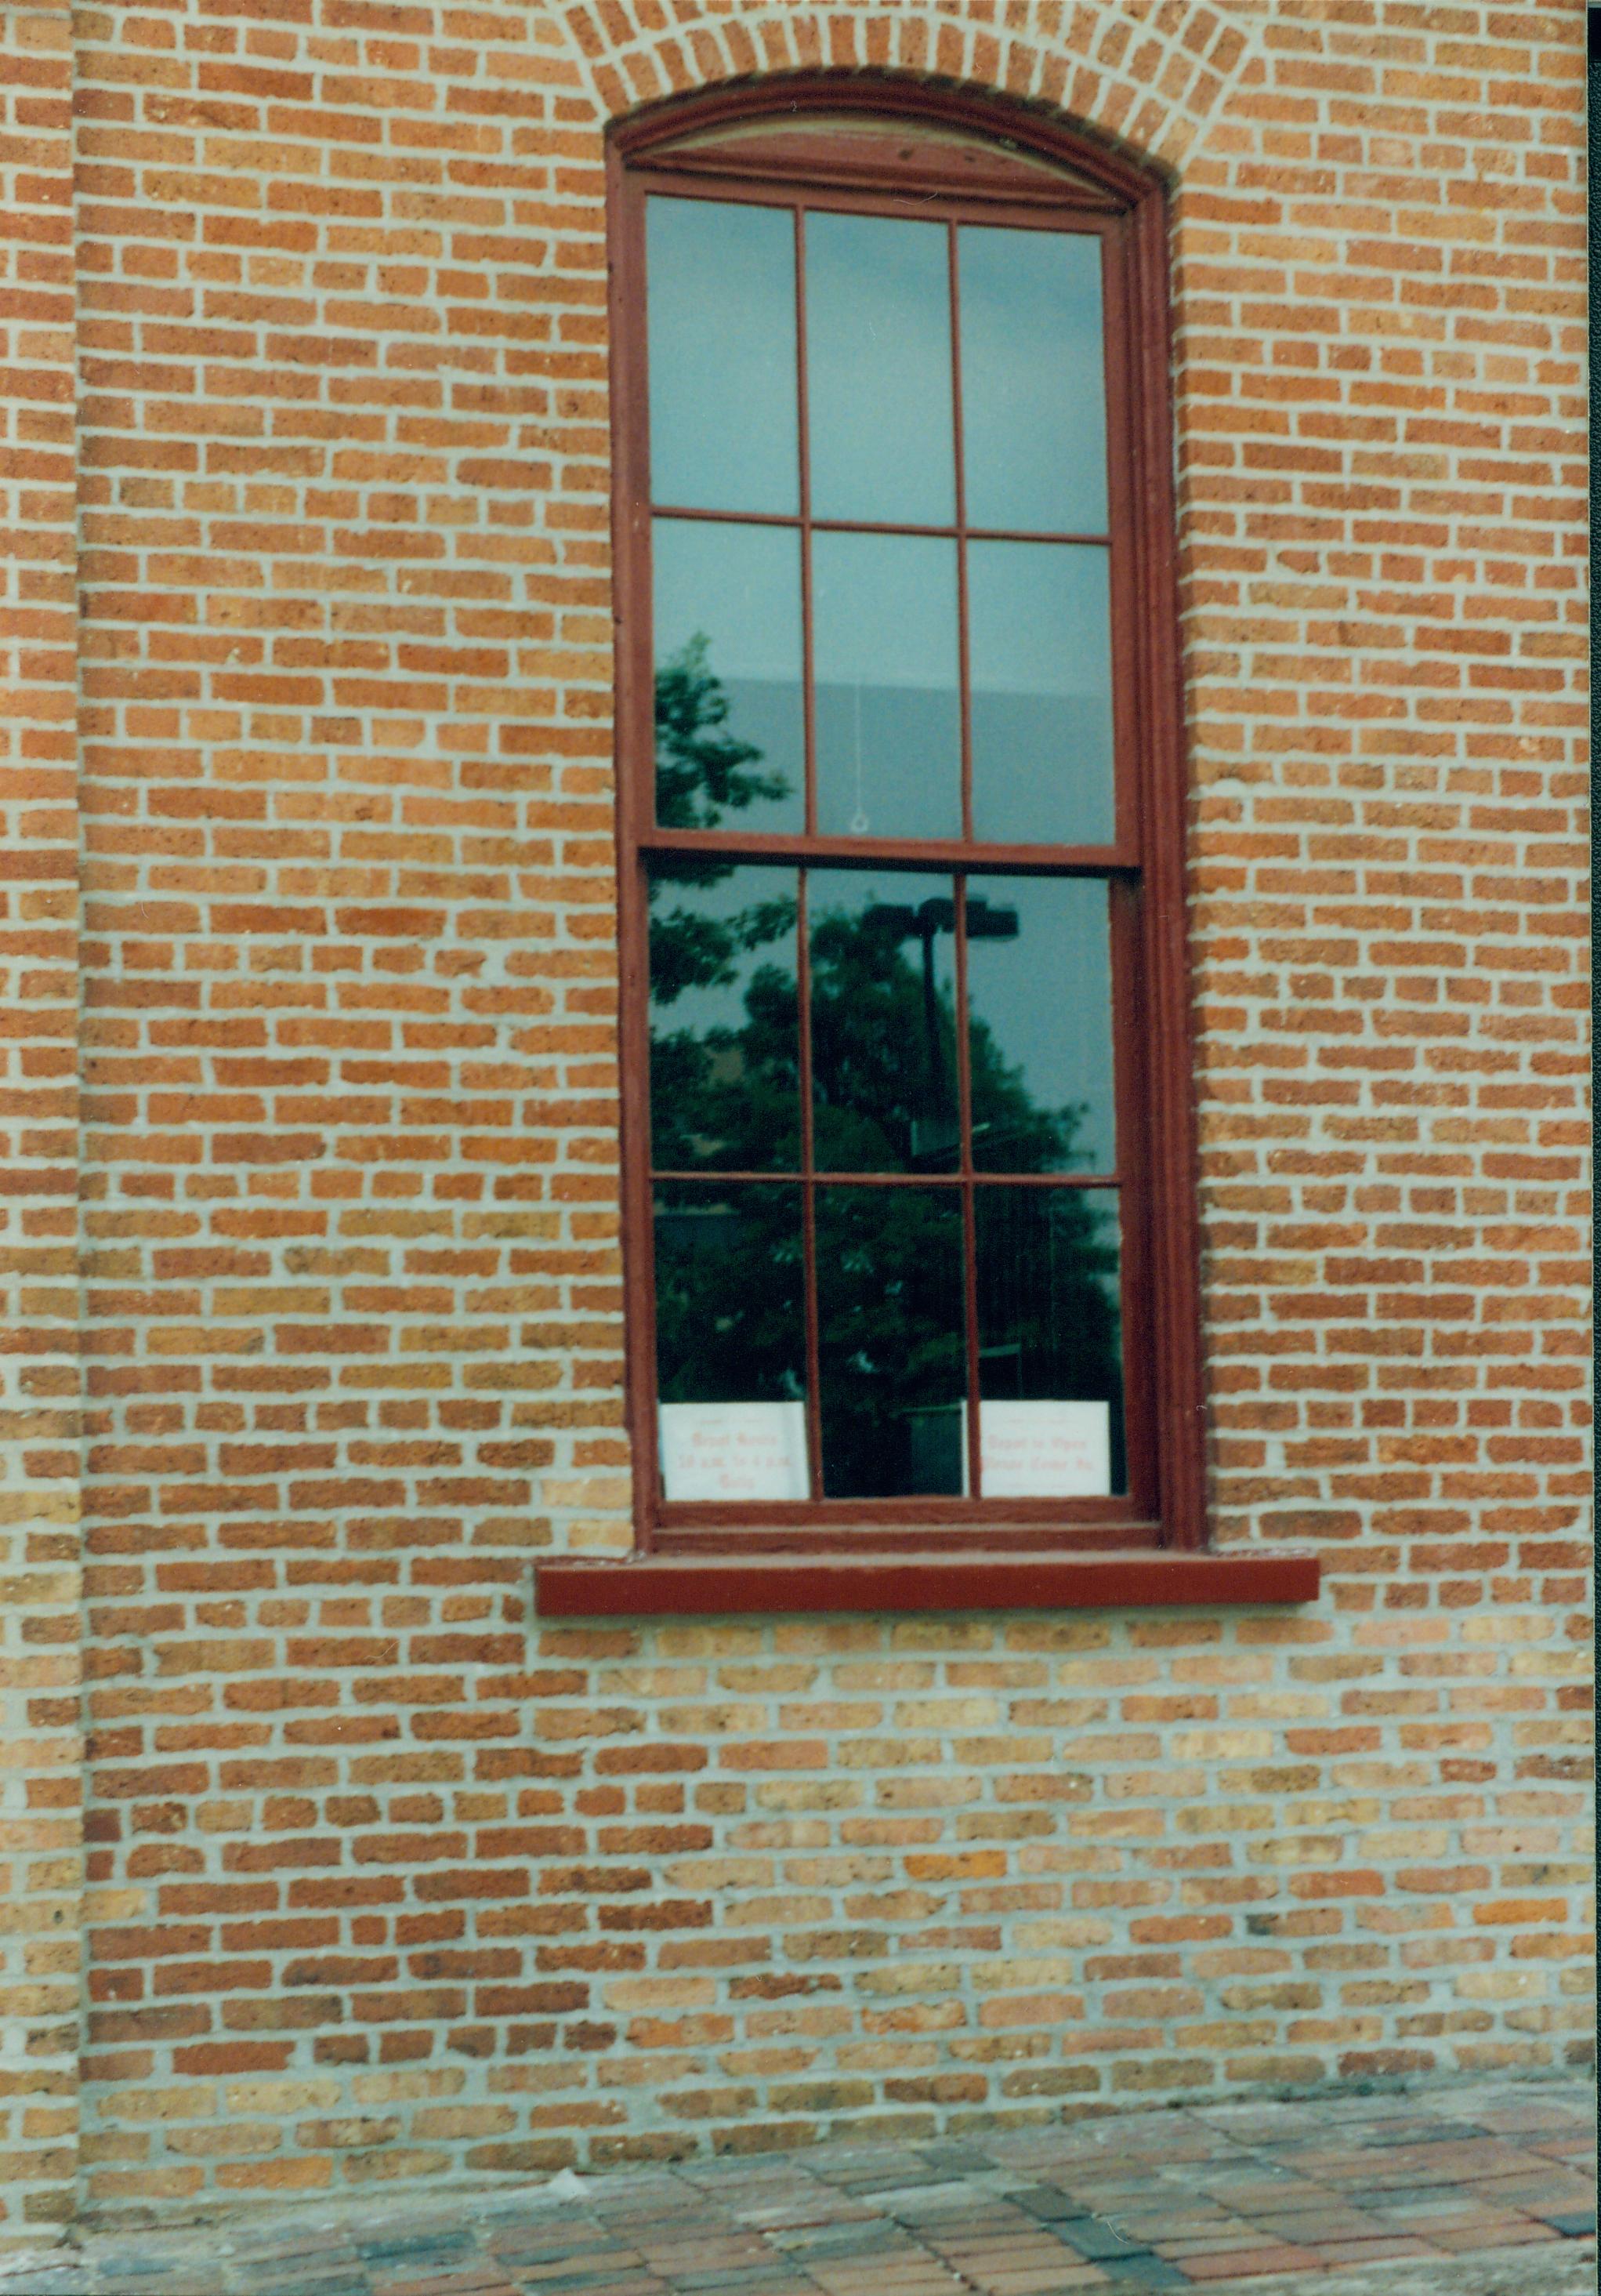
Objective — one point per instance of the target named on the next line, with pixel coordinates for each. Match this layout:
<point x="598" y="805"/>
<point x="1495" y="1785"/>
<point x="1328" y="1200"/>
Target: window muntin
<point x="924" y="677"/>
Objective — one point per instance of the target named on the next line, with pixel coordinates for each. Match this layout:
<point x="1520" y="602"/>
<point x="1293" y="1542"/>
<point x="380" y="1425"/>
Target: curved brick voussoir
<point x="1145" y="75"/>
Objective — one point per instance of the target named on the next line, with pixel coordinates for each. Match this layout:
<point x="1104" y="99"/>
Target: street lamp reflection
<point x="936" y="1127"/>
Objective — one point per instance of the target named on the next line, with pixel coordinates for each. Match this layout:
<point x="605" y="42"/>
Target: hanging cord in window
<point x="860" y="824"/>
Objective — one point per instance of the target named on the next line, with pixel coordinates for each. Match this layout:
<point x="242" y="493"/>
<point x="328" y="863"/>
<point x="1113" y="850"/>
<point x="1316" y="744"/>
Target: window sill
<point x="676" y="1586"/>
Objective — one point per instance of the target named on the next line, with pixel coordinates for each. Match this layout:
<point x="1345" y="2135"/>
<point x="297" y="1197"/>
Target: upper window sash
<point x="884" y="456"/>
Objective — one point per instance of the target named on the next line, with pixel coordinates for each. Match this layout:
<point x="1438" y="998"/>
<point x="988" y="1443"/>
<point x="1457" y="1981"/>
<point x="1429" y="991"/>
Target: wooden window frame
<point x="944" y="1552"/>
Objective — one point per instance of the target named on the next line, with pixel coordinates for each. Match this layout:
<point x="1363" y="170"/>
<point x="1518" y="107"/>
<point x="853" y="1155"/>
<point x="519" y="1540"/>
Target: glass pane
<point x="724" y="1031"/>
<point x="891" y="1354"/>
<point x="730" y="722"/>
<point x="878" y="370"/>
<point x="884" y="1075"/>
<point x="1033" y="382"/>
<point x="1049" y="1343"/>
<point x="888" y="712"/>
<point x="1040" y="1025"/>
<point x="731" y="1343"/>
<point x="1039" y="638"/>
<point x="719" y="296"/>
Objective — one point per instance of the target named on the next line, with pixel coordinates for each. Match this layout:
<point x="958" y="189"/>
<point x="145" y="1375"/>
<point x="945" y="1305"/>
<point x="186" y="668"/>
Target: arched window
<point x="909" y="1232"/>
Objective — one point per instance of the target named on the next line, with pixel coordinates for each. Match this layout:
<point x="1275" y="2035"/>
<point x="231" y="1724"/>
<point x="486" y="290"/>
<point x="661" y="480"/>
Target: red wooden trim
<point x="922" y="853"/>
<point x="710" y="1174"/>
<point x="876" y="526"/>
<point x="964" y="1118"/>
<point x="965" y="1533"/>
<point x="938" y="1522"/>
<point x="774" y="189"/>
<point x="1131" y="1064"/>
<point x="570" y="1588"/>
<point x="813" y="1338"/>
<point x="636" y="801"/>
<point x="819" y="156"/>
<point x="959" y="478"/>
<point x="689" y="171"/>
<point x="640" y="138"/>
<point x="1171" y="1171"/>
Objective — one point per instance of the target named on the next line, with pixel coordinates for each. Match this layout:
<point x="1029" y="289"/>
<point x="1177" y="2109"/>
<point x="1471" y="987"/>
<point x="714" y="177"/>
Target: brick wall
<point x="384" y="1876"/>
<point x="40" y="1743"/>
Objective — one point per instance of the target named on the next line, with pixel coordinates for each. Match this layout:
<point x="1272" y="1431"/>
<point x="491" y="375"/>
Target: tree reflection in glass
<point x="724" y="1069"/>
<point x="726" y="628"/>
<point x="892" y="1353"/>
<point x="891" y="1324"/>
<point x="725" y="1038"/>
<point x="720" y="1337"/>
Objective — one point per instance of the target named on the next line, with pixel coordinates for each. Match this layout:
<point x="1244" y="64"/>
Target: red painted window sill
<point x="680" y="1586"/>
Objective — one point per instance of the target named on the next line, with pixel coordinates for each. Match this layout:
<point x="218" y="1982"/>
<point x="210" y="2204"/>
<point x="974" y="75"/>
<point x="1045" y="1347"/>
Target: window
<point x="909" y="1240"/>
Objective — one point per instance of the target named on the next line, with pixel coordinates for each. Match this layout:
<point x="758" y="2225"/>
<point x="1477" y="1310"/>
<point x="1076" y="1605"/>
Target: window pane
<point x="1039" y="621"/>
<point x="724" y="1067"/>
<point x="1049" y="1344"/>
<point x="888" y="713"/>
<point x="878" y="370"/>
<point x="730" y="723"/>
<point x="1032" y="381"/>
<point x="884" y="1074"/>
<point x="731" y="1343"/>
<point x="890" y="1351"/>
<point x="720" y="294"/>
<point x="1040" y="1025"/>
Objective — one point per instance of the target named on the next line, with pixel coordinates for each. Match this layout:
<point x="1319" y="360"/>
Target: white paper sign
<point x="1045" y="1450"/>
<point x="734" y="1451"/>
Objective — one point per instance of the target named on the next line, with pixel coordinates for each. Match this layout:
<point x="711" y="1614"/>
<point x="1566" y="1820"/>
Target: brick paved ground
<point x="1485" y="2190"/>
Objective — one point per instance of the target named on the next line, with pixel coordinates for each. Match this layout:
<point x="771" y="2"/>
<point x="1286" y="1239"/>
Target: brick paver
<point x="1478" y="2191"/>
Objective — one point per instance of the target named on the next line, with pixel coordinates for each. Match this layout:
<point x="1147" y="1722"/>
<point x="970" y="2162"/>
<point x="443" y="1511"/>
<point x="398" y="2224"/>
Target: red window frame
<point x="1090" y="189"/>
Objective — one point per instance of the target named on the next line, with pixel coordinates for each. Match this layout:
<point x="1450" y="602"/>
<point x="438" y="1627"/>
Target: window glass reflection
<point x="888" y="712"/>
<point x="729" y="719"/>
<point x="1032" y="386"/>
<point x="1040" y="1025"/>
<point x="1039" y="641"/>
<point x="720" y="298"/>
<point x="884" y="1070"/>
<point x="878" y="370"/>
<point x="892" y="1356"/>
<point x="731" y="1343"/>
<point x="1049" y="1342"/>
<point x="724" y="1030"/>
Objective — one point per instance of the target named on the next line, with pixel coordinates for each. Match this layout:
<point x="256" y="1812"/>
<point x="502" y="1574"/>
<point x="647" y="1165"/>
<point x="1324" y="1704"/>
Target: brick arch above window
<point x="1144" y="80"/>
